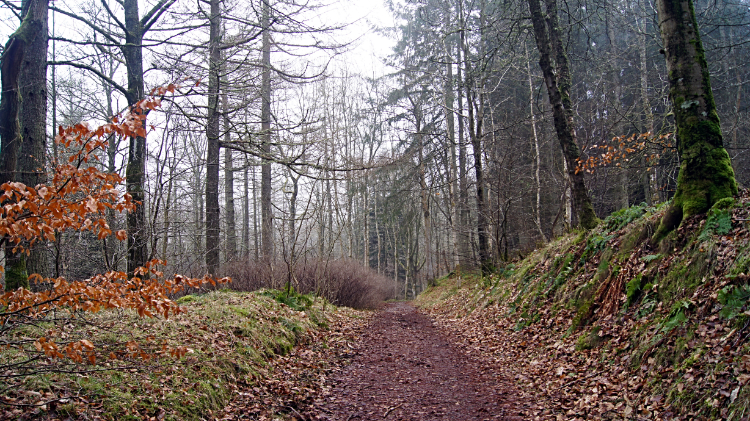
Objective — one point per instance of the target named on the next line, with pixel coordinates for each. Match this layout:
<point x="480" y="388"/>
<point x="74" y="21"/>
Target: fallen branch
<point x="391" y="409"/>
<point x="295" y="411"/>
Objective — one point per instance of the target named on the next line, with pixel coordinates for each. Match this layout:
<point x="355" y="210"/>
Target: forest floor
<point x="405" y="369"/>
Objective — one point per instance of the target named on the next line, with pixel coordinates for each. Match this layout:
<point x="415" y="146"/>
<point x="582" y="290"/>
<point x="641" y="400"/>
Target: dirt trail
<point x="405" y="369"/>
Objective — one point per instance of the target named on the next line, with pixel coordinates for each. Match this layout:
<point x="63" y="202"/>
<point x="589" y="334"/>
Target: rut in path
<point x="406" y="370"/>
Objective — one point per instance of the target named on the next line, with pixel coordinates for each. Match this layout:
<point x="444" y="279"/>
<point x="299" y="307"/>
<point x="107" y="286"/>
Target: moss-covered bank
<point x="608" y="326"/>
<point x="240" y="345"/>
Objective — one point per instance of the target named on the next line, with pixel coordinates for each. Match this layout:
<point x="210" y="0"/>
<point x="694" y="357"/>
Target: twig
<point x="295" y="411"/>
<point x="391" y="409"/>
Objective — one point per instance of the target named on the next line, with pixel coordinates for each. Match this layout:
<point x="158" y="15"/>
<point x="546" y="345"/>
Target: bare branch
<point x="155" y="13"/>
<point x="106" y="34"/>
<point x="93" y="70"/>
<point x="112" y="15"/>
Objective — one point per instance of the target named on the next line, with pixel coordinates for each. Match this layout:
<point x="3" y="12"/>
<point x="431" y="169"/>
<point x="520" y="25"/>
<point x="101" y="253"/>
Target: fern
<point x="734" y="300"/>
<point x="623" y="217"/>
<point x="718" y="223"/>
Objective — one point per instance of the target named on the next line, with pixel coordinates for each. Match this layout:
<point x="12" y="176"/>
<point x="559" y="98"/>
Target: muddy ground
<point x="405" y="369"/>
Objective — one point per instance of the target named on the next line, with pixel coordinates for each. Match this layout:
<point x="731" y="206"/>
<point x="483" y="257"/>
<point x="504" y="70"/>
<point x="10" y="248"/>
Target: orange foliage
<point x="77" y="198"/>
<point x="622" y="149"/>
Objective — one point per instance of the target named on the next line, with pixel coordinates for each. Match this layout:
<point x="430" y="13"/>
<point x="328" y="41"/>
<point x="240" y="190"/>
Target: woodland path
<point x="405" y="369"/>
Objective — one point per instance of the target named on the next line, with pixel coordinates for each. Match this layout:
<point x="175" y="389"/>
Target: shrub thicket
<point x="344" y="282"/>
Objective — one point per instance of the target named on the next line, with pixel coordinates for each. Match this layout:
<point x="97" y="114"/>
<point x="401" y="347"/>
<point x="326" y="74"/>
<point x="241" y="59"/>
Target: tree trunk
<point x="557" y="80"/>
<point x="212" y="134"/>
<point x="651" y="183"/>
<point x="111" y="247"/>
<point x="292" y="222"/>
<point x="464" y="241"/>
<point x="265" y="126"/>
<point x="10" y="130"/>
<point x="475" y="135"/>
<point x="706" y="174"/>
<point x="33" y="117"/>
<point x="167" y="209"/>
<point x="450" y="120"/>
<point x="136" y="168"/>
<point x="198" y="206"/>
<point x="231" y="227"/>
<point x="476" y="142"/>
<point x="256" y="239"/>
<point x="246" y="211"/>
<point x="537" y="155"/>
<point x="366" y="221"/>
<point x="425" y="200"/>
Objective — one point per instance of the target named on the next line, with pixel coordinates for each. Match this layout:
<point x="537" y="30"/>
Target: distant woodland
<point x="264" y="152"/>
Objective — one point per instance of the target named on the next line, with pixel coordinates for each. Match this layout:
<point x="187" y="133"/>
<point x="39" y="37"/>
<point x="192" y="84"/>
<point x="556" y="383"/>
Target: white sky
<point x="366" y="54"/>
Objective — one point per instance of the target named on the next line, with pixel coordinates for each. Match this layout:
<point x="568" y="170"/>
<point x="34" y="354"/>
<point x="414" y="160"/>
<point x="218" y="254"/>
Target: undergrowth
<point x="674" y="316"/>
<point x="232" y="337"/>
<point x="343" y="282"/>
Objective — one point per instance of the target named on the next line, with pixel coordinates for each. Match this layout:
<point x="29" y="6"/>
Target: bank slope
<point x="260" y="354"/>
<point x="604" y="325"/>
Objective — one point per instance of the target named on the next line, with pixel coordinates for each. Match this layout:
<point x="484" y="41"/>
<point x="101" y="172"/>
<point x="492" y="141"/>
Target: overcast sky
<point x="367" y="52"/>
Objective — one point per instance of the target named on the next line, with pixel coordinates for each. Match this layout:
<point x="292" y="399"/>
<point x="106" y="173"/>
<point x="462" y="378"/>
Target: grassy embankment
<point x="607" y="326"/>
<point x="266" y="349"/>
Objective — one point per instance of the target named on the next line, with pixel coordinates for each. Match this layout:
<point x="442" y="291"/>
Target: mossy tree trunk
<point x="10" y="130"/>
<point x="706" y="174"/>
<point x="556" y="70"/>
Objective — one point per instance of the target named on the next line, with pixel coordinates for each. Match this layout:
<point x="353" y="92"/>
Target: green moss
<point x="291" y="298"/>
<point x="587" y="216"/>
<point x="682" y="279"/>
<point x="240" y="311"/>
<point x="584" y="303"/>
<point x="590" y="340"/>
<point x="604" y="268"/>
<point x="706" y="175"/>
<point x="187" y="299"/>
<point x="724" y="204"/>
<point x="632" y="239"/>
<point x="16" y="275"/>
<point x="579" y="238"/>
<point x="249" y="326"/>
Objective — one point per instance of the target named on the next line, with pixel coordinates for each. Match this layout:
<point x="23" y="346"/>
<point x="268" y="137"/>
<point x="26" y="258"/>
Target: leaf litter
<point x="405" y="369"/>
